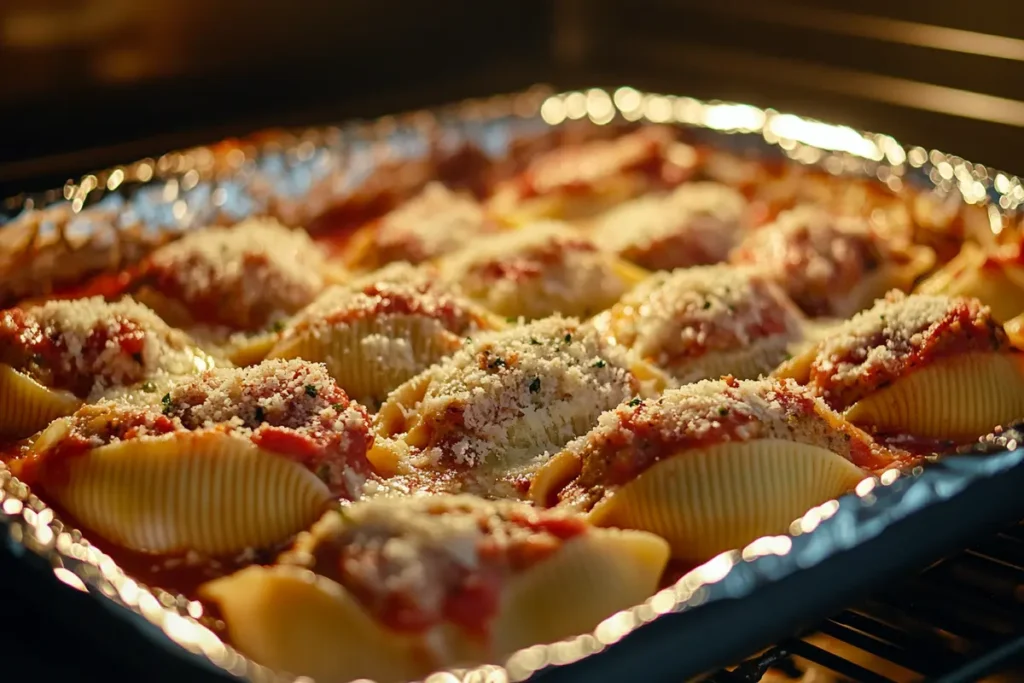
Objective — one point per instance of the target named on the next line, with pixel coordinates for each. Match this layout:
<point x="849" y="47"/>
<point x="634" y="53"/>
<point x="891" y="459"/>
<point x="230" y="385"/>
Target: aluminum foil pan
<point x="717" y="614"/>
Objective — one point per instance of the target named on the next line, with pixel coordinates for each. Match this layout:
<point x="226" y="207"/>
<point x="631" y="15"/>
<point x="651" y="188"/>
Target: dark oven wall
<point x="89" y="83"/>
<point x="940" y="74"/>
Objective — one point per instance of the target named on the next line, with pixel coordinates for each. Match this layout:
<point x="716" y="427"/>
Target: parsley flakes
<point x="535" y="385"/>
<point x="311" y="391"/>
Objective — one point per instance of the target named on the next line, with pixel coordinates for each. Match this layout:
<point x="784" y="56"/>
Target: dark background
<point x="89" y="83"/>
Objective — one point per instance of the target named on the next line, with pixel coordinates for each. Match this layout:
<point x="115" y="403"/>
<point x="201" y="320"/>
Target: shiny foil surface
<point x="110" y="219"/>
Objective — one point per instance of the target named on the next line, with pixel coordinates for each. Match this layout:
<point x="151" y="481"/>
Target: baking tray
<point x="715" y="615"/>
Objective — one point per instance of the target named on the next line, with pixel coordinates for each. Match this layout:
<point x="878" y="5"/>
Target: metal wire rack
<point x="960" y="620"/>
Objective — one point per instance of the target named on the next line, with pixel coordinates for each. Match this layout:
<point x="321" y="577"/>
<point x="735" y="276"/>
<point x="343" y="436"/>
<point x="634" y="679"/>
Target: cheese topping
<point x="897" y="336"/>
<point x="536" y="270"/>
<point x="344" y="305"/>
<point x="508" y="399"/>
<point x="672" y="319"/>
<point x="242" y="277"/>
<point x="416" y="562"/>
<point x="698" y="223"/>
<point x="651" y="152"/>
<point x="292" y="408"/>
<point x="87" y="346"/>
<point x="817" y="257"/>
<point x="636" y="435"/>
<point x="435" y="222"/>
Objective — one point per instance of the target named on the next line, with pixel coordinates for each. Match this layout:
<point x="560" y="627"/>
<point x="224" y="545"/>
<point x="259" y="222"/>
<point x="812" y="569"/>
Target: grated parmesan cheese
<point x="244" y="276"/>
<point x="689" y="321"/>
<point x="435" y="222"/>
<point x="507" y="400"/>
<point x="898" y="335"/>
<point x="534" y="271"/>
<point x="697" y="223"/>
<point x="89" y="346"/>
<point x="819" y="258"/>
<point x="292" y="408"/>
<point x="420" y="553"/>
<point x="635" y="435"/>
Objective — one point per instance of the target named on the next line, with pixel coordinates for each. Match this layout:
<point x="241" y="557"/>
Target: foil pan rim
<point x="77" y="214"/>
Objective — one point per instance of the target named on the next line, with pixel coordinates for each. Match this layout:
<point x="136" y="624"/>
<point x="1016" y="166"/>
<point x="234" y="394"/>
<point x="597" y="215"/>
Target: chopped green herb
<point x="599" y="363"/>
<point x="723" y="411"/>
<point x="568" y="338"/>
<point x="260" y="415"/>
<point x="168" y="406"/>
<point x="707" y="304"/>
<point x="496" y="363"/>
<point x="535" y="385"/>
<point x="277" y="326"/>
<point x="148" y="387"/>
<point x="635" y="402"/>
<point x="337" y="406"/>
<point x="511" y="320"/>
<point x="534" y="342"/>
<point x="311" y="391"/>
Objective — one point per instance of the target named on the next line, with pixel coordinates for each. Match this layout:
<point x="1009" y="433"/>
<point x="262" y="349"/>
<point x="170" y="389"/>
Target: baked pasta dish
<point x="478" y="422"/>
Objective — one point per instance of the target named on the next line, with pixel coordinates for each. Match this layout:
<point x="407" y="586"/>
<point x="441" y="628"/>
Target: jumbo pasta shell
<point x="958" y="398"/>
<point x="589" y="579"/>
<point x="26" y="406"/>
<point x="207" y="491"/>
<point x="361" y="367"/>
<point x="289" y="619"/>
<point x="752" y="362"/>
<point x="706" y="501"/>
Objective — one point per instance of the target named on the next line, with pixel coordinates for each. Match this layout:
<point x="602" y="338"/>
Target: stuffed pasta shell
<point x="705" y="322"/>
<point x="540" y="269"/>
<point x="995" y="277"/>
<point x="928" y="366"/>
<point x="577" y="181"/>
<point x="232" y="459"/>
<point x="231" y="286"/>
<point x="433" y="223"/>
<point x="695" y="224"/>
<point x="710" y="466"/>
<point x="483" y="420"/>
<point x="376" y="336"/>
<point x="56" y="355"/>
<point x="830" y="265"/>
<point x="392" y="590"/>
